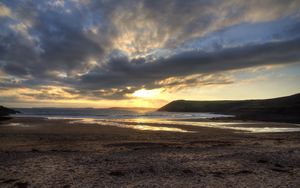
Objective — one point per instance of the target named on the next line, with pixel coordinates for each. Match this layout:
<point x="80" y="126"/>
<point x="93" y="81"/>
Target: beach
<point x="159" y="94"/>
<point x="41" y="152"/>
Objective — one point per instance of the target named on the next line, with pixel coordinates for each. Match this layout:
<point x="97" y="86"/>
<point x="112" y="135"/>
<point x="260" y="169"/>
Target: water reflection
<point x="168" y="125"/>
<point x="132" y="126"/>
<point x="265" y="129"/>
<point x="153" y="128"/>
<point x="15" y="125"/>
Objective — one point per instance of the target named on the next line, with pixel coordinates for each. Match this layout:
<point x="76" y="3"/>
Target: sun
<point x="144" y="93"/>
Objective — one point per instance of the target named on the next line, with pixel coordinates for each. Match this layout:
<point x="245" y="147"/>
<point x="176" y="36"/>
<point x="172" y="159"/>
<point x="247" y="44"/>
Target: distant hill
<point x="6" y="111"/>
<point x="283" y="109"/>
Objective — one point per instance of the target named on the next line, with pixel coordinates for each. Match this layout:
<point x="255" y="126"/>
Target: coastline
<point x="54" y="152"/>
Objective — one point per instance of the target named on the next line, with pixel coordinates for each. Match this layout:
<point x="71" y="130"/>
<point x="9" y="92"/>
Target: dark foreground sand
<point x="54" y="153"/>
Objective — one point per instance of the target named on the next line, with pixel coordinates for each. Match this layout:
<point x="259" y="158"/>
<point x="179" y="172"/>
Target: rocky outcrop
<point x="283" y="109"/>
<point x="6" y="111"/>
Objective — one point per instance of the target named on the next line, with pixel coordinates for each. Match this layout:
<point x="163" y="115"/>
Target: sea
<point x="111" y="113"/>
<point x="151" y="120"/>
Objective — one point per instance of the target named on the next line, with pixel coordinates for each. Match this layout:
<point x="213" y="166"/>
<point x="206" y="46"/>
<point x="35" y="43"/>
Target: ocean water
<point x="110" y="113"/>
<point x="150" y="120"/>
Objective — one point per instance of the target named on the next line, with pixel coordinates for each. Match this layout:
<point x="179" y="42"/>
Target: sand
<point x="36" y="152"/>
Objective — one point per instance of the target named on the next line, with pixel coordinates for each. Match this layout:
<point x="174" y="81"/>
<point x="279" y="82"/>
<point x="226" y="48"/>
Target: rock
<point x="262" y="161"/>
<point x="117" y="173"/>
<point x="7" y="111"/>
<point x="21" y="184"/>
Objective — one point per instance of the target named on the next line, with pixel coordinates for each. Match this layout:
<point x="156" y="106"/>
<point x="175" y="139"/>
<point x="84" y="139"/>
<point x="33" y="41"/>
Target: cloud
<point x="109" y="49"/>
<point x="198" y="80"/>
<point x="121" y="72"/>
<point x="48" y="43"/>
<point x="5" y="11"/>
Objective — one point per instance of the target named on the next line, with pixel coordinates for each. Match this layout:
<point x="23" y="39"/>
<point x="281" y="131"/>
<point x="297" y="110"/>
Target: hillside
<point x="285" y="109"/>
<point x="6" y="111"/>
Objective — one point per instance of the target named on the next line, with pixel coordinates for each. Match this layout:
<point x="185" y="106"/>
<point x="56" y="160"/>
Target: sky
<point x="146" y="53"/>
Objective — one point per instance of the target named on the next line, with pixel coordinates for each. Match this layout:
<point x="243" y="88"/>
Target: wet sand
<point x="37" y="152"/>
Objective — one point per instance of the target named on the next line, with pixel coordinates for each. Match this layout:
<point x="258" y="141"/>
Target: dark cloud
<point x="49" y="40"/>
<point x="109" y="49"/>
<point x="94" y="94"/>
<point x="121" y="72"/>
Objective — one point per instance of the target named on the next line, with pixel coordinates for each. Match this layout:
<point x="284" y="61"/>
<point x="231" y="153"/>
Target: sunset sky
<point x="146" y="53"/>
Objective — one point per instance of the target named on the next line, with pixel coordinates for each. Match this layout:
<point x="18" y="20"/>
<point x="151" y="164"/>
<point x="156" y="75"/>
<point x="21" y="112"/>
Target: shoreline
<point x="172" y="125"/>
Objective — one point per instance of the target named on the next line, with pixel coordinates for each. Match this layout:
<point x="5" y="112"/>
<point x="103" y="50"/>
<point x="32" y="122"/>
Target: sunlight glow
<point x="143" y="93"/>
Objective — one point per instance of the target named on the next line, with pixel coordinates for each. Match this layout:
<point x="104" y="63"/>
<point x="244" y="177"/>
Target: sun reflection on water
<point x="168" y="125"/>
<point x="132" y="126"/>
